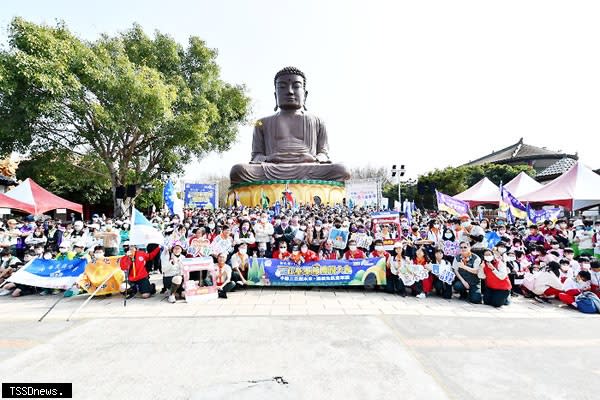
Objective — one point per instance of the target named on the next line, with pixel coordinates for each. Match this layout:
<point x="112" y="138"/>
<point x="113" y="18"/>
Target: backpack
<point x="588" y="302"/>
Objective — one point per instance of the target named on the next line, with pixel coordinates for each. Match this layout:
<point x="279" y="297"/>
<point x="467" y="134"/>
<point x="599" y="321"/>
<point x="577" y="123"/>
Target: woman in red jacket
<point x="134" y="262"/>
<point x="497" y="283"/>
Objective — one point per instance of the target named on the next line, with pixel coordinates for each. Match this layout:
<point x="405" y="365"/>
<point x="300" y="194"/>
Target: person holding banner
<point x="466" y="266"/>
<point x="282" y="253"/>
<point x="379" y="251"/>
<point x="240" y="264"/>
<point x="394" y="284"/>
<point x="497" y="283"/>
<point x="134" y="262"/>
<point x="442" y="289"/>
<point x="327" y="251"/>
<point x="354" y="252"/>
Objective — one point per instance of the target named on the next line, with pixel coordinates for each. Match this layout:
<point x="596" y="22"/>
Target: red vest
<point x="493" y="282"/>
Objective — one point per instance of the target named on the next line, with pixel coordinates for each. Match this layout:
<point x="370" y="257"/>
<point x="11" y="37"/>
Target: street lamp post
<point x="398" y="172"/>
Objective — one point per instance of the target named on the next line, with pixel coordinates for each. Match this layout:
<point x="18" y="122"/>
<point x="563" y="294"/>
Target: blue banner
<point x="201" y="195"/>
<point x="50" y="273"/>
<point x="273" y="272"/>
<point x="539" y="216"/>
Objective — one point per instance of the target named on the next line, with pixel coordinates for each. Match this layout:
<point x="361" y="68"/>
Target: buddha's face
<point x="289" y="92"/>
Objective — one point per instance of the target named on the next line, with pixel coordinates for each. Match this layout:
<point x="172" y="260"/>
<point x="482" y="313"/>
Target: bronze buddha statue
<point x="290" y="144"/>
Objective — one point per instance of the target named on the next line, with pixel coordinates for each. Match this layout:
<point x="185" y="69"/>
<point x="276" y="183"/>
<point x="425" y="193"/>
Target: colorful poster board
<point x="273" y="272"/>
<point x="201" y="195"/>
<point x="192" y="289"/>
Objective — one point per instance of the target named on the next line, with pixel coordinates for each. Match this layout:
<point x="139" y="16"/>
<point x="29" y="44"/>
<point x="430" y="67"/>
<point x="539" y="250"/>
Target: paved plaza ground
<point x="269" y="343"/>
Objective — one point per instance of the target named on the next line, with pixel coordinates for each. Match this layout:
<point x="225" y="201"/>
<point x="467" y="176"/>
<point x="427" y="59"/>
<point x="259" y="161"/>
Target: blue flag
<point x="50" y="274"/>
<point x="169" y="196"/>
<point x="142" y="232"/>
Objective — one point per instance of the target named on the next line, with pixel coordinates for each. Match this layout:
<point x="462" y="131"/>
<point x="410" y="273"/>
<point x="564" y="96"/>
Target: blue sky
<point x="422" y="83"/>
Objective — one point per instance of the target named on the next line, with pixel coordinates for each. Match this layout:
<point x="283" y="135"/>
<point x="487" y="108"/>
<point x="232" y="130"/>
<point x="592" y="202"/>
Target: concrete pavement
<point x="297" y="344"/>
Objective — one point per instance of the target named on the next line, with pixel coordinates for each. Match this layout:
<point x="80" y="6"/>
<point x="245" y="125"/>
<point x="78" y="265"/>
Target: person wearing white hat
<point x="64" y="251"/>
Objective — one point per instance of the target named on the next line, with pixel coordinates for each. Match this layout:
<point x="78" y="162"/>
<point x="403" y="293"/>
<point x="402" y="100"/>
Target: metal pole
<point x="399" y="196"/>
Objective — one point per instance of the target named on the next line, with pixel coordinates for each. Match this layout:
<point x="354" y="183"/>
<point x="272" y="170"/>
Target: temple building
<point x="548" y="164"/>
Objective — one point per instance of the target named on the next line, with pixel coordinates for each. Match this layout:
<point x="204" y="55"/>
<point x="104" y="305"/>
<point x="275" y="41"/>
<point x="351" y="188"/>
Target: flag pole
<point x="93" y="294"/>
<point x="51" y="308"/>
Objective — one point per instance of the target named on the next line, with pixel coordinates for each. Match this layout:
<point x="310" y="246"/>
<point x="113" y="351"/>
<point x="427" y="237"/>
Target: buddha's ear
<point x="305" y="96"/>
<point x="275" y="94"/>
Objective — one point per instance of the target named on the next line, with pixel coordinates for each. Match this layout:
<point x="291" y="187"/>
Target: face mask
<point x="488" y="258"/>
<point x="108" y="226"/>
<point x="244" y="229"/>
<point x="211" y="225"/>
<point x="465" y="224"/>
<point x="283" y="249"/>
<point x="63" y="250"/>
<point x="302" y="228"/>
<point x="501" y="250"/>
<point x="243" y="251"/>
<point x="263" y="220"/>
<point x="563" y="226"/>
<point x="448" y="235"/>
<point x="378" y="248"/>
<point x="98" y="255"/>
<point x="39" y="252"/>
<point x="4" y="259"/>
<point x="555" y="246"/>
<point x="511" y="258"/>
<point x="361" y="230"/>
<point x="186" y="225"/>
<point x="317" y="228"/>
<point x="564" y="268"/>
<point x="47" y="256"/>
<point x="284" y="224"/>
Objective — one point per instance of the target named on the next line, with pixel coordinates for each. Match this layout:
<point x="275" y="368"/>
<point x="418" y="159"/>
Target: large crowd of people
<point x="551" y="260"/>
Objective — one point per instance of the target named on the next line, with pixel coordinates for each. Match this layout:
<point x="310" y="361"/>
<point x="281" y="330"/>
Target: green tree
<point x="453" y="180"/>
<point x="143" y="106"/>
<point x="68" y="175"/>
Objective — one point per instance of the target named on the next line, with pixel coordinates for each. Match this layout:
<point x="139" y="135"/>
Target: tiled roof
<point x="516" y="151"/>
<point x="5" y="180"/>
<point x="558" y="168"/>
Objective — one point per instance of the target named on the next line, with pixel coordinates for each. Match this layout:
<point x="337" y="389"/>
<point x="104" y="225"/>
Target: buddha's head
<point x="290" y="89"/>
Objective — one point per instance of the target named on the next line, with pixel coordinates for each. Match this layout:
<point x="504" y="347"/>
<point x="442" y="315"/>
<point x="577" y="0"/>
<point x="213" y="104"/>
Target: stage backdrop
<point x="201" y="195"/>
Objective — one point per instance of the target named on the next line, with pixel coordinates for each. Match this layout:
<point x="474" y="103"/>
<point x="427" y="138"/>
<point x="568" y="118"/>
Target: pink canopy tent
<point x="522" y="184"/>
<point x="576" y="189"/>
<point x="483" y="192"/>
<point x="40" y="199"/>
<point x="9" y="202"/>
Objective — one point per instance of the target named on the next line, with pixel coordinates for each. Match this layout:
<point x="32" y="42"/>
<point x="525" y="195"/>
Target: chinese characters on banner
<point x="271" y="272"/>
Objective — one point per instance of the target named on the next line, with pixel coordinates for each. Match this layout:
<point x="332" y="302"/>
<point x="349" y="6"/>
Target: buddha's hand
<point x="323" y="158"/>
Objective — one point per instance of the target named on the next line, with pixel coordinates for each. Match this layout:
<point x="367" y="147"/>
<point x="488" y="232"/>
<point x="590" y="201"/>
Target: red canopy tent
<point x="483" y="192"/>
<point x="522" y="184"/>
<point x="576" y="189"/>
<point x="9" y="202"/>
<point x="40" y="199"/>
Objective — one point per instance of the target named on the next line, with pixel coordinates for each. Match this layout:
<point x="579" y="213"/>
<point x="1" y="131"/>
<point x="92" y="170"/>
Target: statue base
<point x="303" y="192"/>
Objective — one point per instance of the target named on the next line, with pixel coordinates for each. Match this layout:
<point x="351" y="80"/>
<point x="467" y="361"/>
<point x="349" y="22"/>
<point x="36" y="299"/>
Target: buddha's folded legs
<point x="267" y="171"/>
